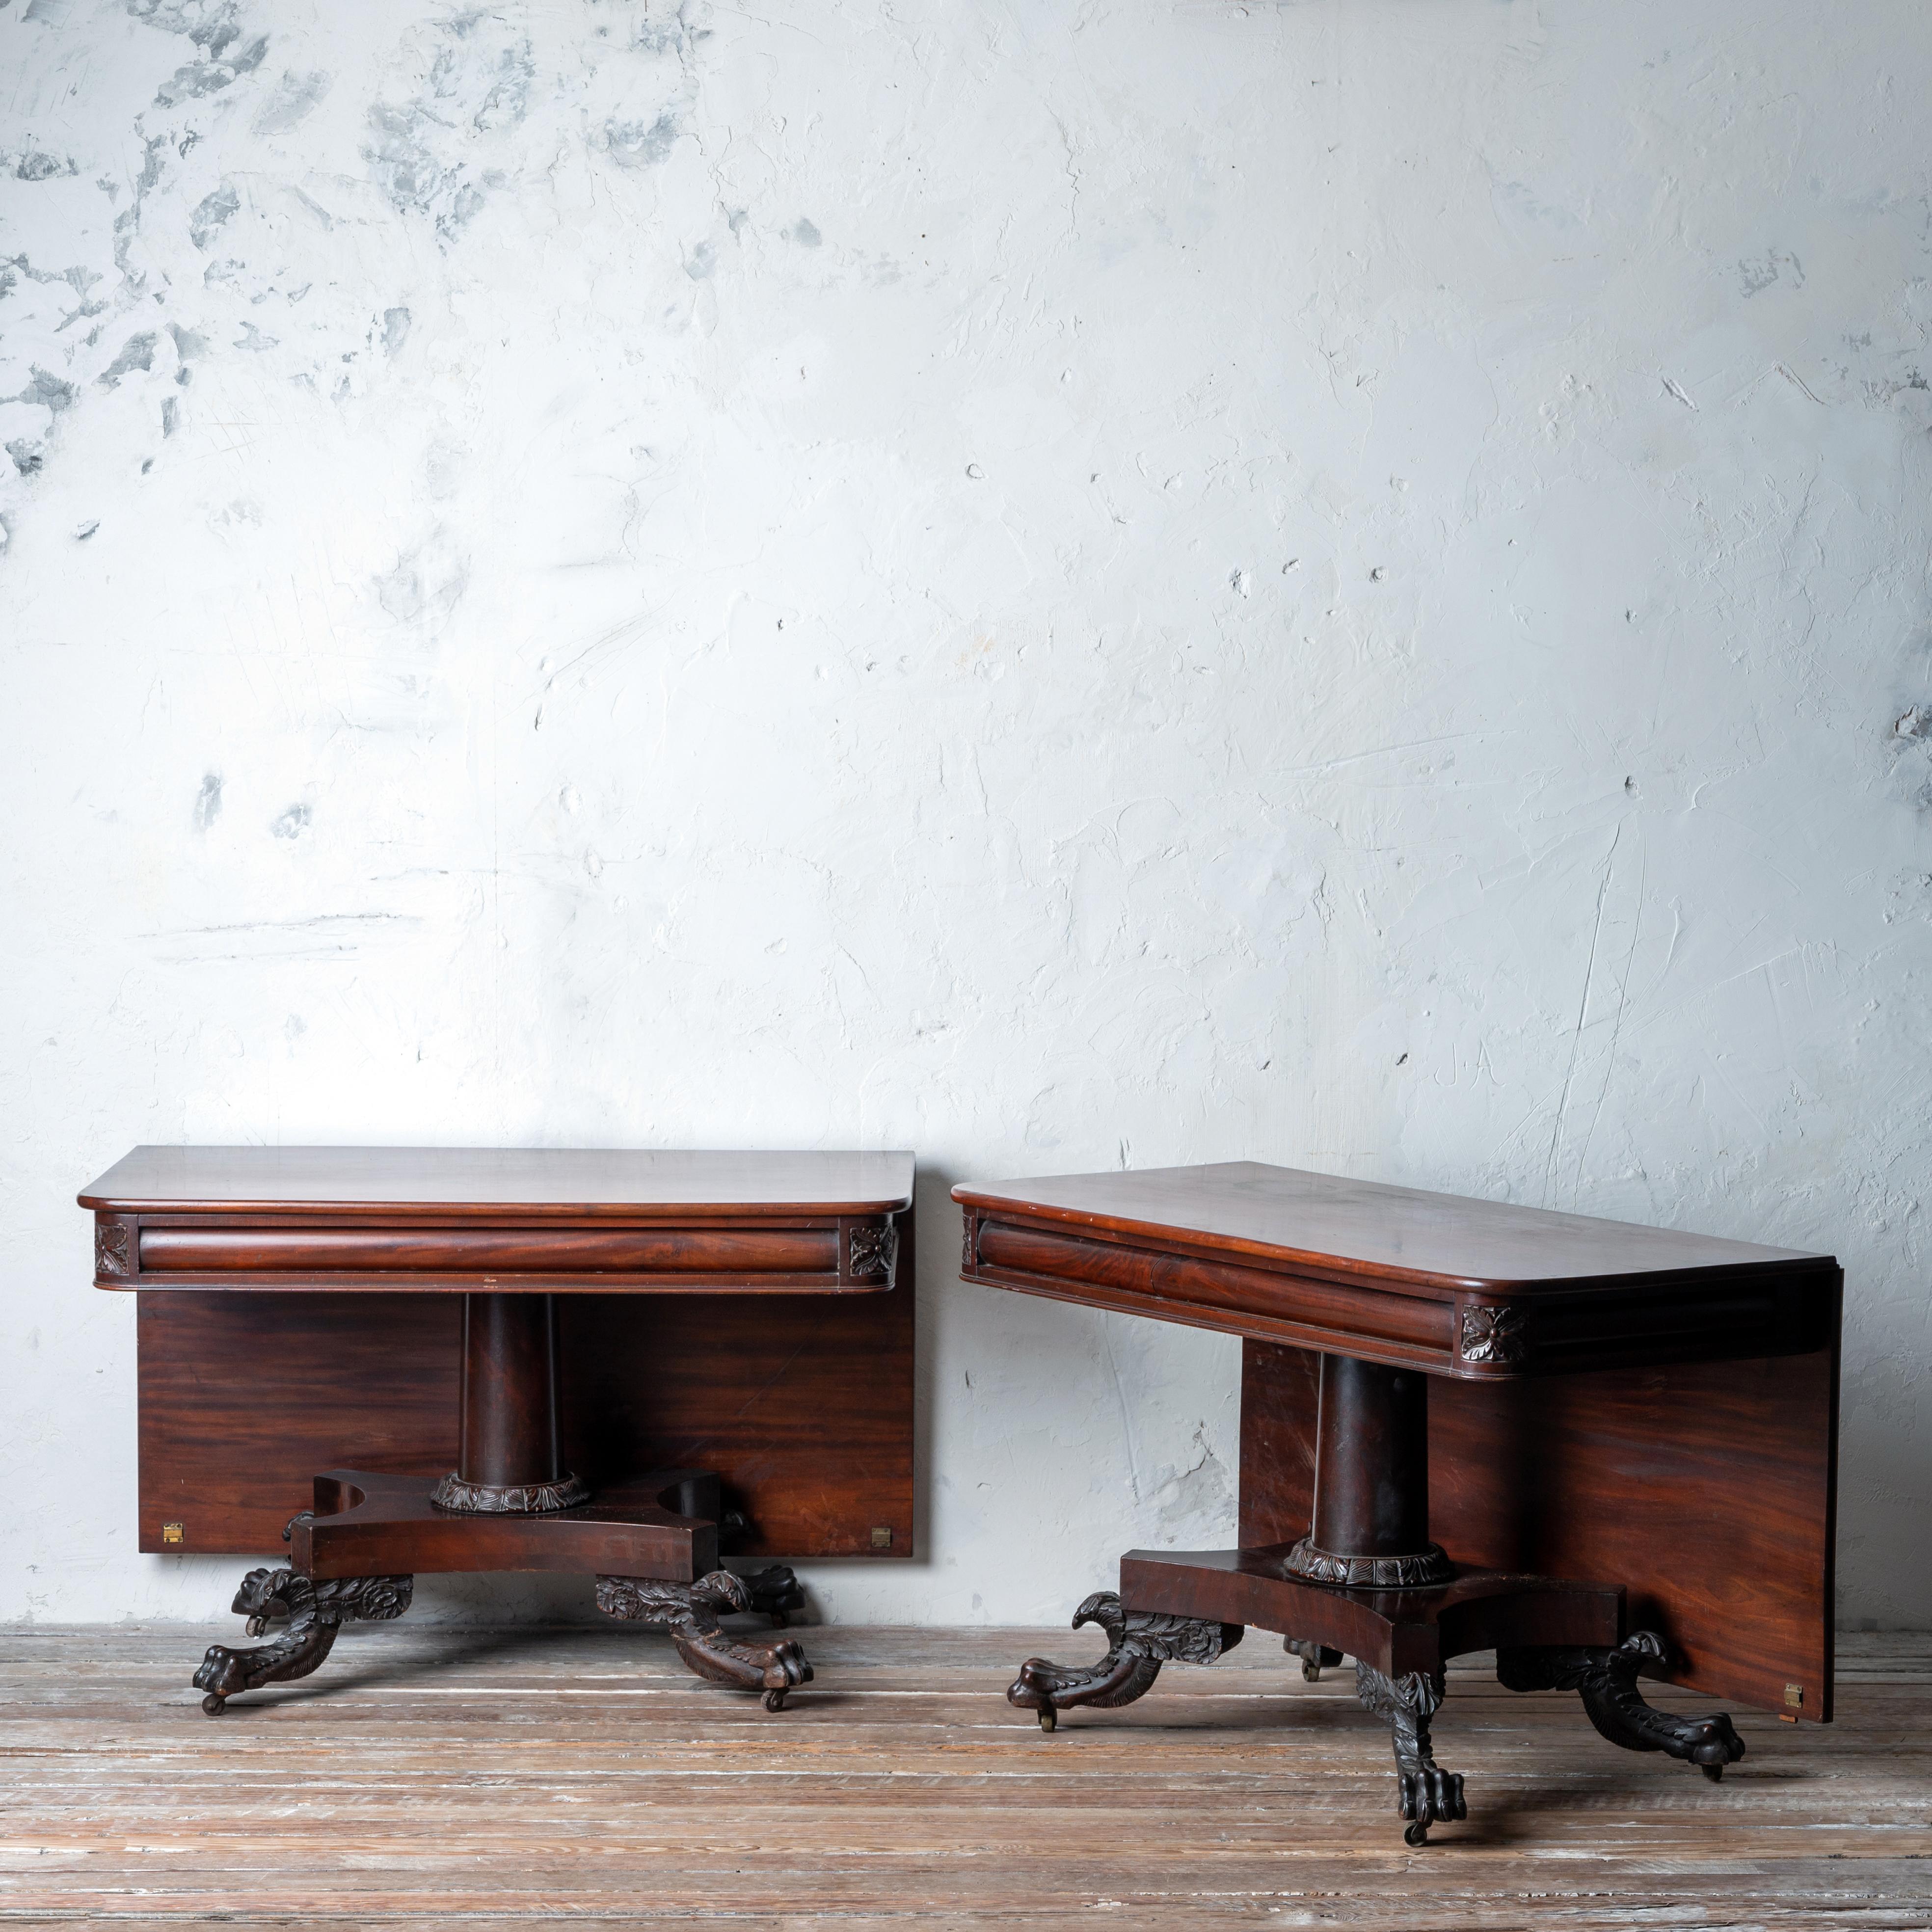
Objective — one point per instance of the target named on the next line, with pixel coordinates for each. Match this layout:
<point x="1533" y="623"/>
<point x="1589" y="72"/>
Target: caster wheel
<point x="214" y="1705"/>
<point x="775" y="1700"/>
<point x="1049" y="1718"/>
<point x="1415" y="1834"/>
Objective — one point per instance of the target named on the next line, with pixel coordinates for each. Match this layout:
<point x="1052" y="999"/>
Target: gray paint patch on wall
<point x="213" y="212"/>
<point x="641" y="144"/>
<point x="200" y="78"/>
<point x="293" y="100"/>
<point x="52" y="392"/>
<point x="411" y="176"/>
<point x="137" y="352"/>
<point x="37" y="166"/>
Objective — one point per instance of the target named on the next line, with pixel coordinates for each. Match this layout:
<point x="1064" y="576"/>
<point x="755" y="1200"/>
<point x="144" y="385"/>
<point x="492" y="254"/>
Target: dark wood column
<point x="1371" y="1511"/>
<point x="510" y="1458"/>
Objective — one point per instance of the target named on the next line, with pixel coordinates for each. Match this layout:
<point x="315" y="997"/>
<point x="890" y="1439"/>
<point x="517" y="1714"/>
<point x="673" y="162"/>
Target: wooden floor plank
<point x="431" y="1776"/>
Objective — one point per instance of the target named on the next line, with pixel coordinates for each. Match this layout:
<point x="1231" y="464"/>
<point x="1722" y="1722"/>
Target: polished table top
<point x="1464" y="1287"/>
<point x="538" y="1181"/>
<point x="457" y="1220"/>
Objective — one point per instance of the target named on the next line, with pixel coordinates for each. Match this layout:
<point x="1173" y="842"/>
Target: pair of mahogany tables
<point x="1601" y="1451"/>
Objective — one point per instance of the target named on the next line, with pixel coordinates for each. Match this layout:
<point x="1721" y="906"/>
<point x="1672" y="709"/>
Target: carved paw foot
<point x="1606" y="1681"/>
<point x="690" y="1612"/>
<point x="1425" y="1792"/>
<point x="315" y="1612"/>
<point x="1138" y="1642"/>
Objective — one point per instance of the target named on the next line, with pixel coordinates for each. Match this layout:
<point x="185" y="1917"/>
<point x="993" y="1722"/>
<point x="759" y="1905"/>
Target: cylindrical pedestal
<point x="1371" y="1515"/>
<point x="510" y="1457"/>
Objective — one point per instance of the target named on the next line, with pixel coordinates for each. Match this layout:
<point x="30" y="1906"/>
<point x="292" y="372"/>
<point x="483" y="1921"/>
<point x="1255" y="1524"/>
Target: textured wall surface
<point x="1058" y="585"/>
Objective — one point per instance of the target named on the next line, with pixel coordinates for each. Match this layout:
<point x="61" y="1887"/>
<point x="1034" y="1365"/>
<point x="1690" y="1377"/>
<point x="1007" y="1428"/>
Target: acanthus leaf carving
<point x="113" y="1249"/>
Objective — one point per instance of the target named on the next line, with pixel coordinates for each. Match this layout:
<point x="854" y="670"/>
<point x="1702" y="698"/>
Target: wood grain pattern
<point x="433" y="1777"/>
<point x="811" y="1253"/>
<point x="1145" y="1279"/>
<point x="1479" y="1290"/>
<point x="1395" y="1631"/>
<point x="804" y="1407"/>
<point x="1707" y="1317"/>
<point x="1708" y="1490"/>
<point x="1331" y="1224"/>
<point x="368" y="1525"/>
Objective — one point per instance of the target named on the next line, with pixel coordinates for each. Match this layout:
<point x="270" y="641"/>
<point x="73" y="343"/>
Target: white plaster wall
<point x="1059" y="585"/>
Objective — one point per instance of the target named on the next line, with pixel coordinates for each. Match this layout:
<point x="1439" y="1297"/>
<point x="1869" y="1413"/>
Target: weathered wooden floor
<point x="439" y="1777"/>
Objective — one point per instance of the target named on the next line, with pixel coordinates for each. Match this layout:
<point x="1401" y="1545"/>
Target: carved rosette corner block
<point x="1313" y="1565"/>
<point x="113" y="1249"/>
<point x="1494" y="1333"/>
<point x="1138" y="1642"/>
<point x="316" y="1611"/>
<point x="690" y="1612"/>
<point x="1606" y="1681"/>
<point x="515" y="1499"/>
<point x="871" y="1248"/>
<point x="1426" y="1792"/>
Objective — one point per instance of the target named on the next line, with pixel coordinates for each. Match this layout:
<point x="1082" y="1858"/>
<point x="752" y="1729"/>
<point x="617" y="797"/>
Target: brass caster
<point x="214" y="1705"/>
<point x="1049" y="1718"/>
<point x="1416" y="1834"/>
<point x="1714" y="1772"/>
<point x="775" y="1700"/>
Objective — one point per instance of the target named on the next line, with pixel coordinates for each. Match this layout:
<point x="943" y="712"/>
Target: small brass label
<point x="1794" y="1695"/>
<point x="882" y="1537"/>
<point x="172" y="1532"/>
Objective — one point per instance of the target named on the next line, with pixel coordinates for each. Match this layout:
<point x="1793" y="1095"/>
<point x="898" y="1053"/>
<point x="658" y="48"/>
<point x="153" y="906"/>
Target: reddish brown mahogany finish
<point x="1395" y="1631"/>
<point x="299" y="1309"/>
<point x="170" y="1254"/>
<point x="294" y="1242"/>
<point x="367" y="1524"/>
<point x="414" y="1220"/>
<point x="804" y="1408"/>
<point x="1650" y="1409"/>
<point x="1708" y="1490"/>
<point x="509" y="1434"/>
<point x="1370" y="1507"/>
<point x="1478" y="1290"/>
